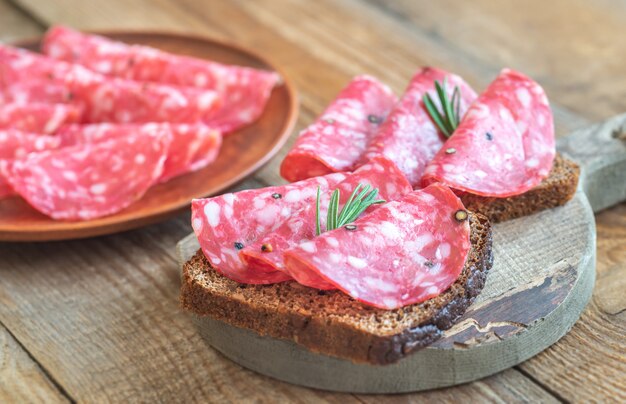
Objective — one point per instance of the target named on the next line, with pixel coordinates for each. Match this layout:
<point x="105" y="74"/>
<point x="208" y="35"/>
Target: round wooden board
<point x="242" y="153"/>
<point x="541" y="280"/>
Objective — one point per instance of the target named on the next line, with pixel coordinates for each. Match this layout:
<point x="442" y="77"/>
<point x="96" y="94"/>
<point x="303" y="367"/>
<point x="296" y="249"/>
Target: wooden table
<point x="98" y="320"/>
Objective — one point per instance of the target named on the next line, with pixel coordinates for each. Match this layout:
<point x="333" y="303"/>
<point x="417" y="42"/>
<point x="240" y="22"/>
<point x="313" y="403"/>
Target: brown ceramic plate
<point x="242" y="153"/>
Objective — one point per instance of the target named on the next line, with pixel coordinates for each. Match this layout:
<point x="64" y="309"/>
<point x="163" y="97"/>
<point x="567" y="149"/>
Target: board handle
<point x="600" y="150"/>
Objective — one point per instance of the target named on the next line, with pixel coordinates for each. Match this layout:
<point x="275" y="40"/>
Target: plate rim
<point x="82" y="229"/>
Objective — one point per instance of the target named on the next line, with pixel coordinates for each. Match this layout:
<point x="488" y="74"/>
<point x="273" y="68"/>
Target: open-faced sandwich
<point x="382" y="240"/>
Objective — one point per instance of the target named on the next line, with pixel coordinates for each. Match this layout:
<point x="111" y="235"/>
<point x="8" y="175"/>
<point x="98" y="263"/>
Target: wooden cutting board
<point x="541" y="280"/>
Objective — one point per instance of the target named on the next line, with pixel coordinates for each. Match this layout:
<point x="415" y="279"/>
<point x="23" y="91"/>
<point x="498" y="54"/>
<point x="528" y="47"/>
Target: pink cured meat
<point x="409" y="137"/>
<point x="227" y="223"/>
<point x="104" y="99"/>
<point x="15" y="144"/>
<point x="243" y="90"/>
<point x="193" y="146"/>
<point x="405" y="252"/>
<point x="89" y="181"/>
<point x="37" y="117"/>
<point x="505" y="144"/>
<point x="39" y="91"/>
<point x="379" y="173"/>
<point x="336" y="140"/>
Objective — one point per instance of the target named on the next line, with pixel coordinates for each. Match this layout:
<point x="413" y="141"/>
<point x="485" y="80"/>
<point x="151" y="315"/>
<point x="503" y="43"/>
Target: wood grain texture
<point x="21" y="379"/>
<point x="321" y="44"/>
<point x="16" y="24"/>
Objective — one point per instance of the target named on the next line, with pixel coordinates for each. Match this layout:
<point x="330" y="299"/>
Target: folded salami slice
<point x="15" y="144"/>
<point x="336" y="140"/>
<point x="409" y="137"/>
<point x="193" y="146"/>
<point x="405" y="252"/>
<point x="227" y="223"/>
<point x="266" y="254"/>
<point x="505" y="144"/>
<point x="37" y="117"/>
<point x="104" y="99"/>
<point x="93" y="180"/>
<point x="244" y="91"/>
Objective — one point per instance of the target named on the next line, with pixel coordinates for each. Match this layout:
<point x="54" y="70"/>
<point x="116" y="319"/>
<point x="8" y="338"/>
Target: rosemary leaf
<point x="333" y="207"/>
<point x="445" y="105"/>
<point x="361" y="198"/>
<point x="448" y="119"/>
<point x="456" y="103"/>
<point x="348" y="203"/>
<point x="434" y="114"/>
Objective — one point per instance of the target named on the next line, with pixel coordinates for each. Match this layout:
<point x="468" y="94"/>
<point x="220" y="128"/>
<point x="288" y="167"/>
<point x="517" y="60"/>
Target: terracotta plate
<point x="242" y="153"/>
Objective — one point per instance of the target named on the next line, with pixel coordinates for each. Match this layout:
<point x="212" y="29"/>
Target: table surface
<point x="98" y="320"/>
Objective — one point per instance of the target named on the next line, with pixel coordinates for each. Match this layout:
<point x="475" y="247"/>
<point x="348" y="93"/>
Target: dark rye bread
<point x="558" y="188"/>
<point x="331" y="322"/>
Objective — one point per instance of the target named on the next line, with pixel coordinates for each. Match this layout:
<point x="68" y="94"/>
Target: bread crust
<point x="558" y="188"/>
<point x="331" y="322"/>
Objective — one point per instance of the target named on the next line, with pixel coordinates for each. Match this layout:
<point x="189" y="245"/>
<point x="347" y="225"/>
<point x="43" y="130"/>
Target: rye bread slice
<point x="558" y="188"/>
<point x="331" y="322"/>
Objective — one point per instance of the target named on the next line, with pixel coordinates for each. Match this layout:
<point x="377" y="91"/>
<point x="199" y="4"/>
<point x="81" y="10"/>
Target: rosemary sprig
<point x="448" y="119"/>
<point x="357" y="203"/>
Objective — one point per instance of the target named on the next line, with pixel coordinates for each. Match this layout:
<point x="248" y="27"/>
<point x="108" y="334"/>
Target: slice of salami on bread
<point x="330" y="322"/>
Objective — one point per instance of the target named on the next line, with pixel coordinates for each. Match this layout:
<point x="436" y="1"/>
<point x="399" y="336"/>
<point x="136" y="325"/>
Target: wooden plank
<point x="508" y="386"/>
<point x="574" y="48"/>
<point x="21" y="379"/>
<point x="15" y="24"/>
<point x="589" y="363"/>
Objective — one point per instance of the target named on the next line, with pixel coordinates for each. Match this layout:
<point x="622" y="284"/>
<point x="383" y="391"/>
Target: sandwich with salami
<point x="372" y="257"/>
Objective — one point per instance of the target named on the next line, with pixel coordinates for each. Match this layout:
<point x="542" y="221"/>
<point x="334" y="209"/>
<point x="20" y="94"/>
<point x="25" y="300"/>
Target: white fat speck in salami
<point x="501" y="154"/>
<point x="409" y="137"/>
<point x="229" y="223"/>
<point x="244" y="91"/>
<point x="300" y="227"/>
<point x="192" y="147"/>
<point x="46" y="181"/>
<point x="364" y="266"/>
<point x="336" y="140"/>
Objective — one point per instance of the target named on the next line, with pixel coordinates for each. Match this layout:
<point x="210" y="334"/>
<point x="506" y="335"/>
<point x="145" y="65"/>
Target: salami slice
<point x="39" y="91"/>
<point x="409" y="137"/>
<point x="90" y="181"/>
<point x="243" y="90"/>
<point x="37" y="117"/>
<point x="266" y="254"/>
<point x="193" y="146"/>
<point x="105" y="99"/>
<point x="227" y="223"/>
<point x="336" y="140"/>
<point x="505" y="144"/>
<point x="15" y="144"/>
<point x="405" y="252"/>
